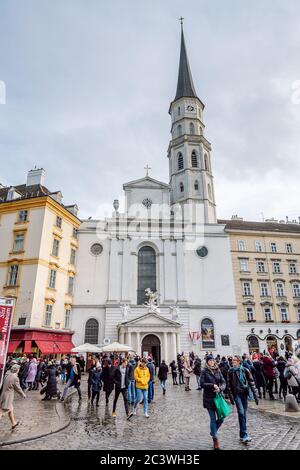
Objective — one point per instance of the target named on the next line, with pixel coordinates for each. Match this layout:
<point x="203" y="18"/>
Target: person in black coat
<point x="283" y="388"/>
<point x="259" y="377"/>
<point x="107" y="379"/>
<point x="212" y="381"/>
<point x="197" y="371"/>
<point x="180" y="363"/>
<point x="121" y="380"/>
<point x="23" y="373"/>
<point x="39" y="373"/>
<point x="173" y="368"/>
<point x="51" y="387"/>
<point x="163" y="375"/>
<point x="96" y="383"/>
<point x="73" y="378"/>
<point x="90" y="372"/>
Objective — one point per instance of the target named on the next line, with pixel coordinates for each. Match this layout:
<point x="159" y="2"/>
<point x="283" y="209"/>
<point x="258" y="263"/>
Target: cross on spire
<point x="181" y="21"/>
<point x="147" y="168"/>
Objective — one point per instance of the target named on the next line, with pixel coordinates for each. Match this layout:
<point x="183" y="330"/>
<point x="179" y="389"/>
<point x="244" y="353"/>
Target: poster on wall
<point x="208" y="334"/>
<point x="6" y="313"/>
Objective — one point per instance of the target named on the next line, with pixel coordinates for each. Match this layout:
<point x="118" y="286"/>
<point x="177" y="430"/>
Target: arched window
<point x="209" y="191"/>
<point x="192" y="128"/>
<point x="178" y="110"/>
<point x="179" y="130"/>
<point x="91" y="331"/>
<point x="194" y="159"/>
<point x="196" y="186"/>
<point x="146" y="272"/>
<point x="181" y="187"/>
<point x="180" y="161"/>
<point x="207" y="334"/>
<point x="253" y="344"/>
<point x="206" y="162"/>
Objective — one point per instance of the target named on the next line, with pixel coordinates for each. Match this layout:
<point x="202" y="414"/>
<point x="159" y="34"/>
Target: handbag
<point x="222" y="407"/>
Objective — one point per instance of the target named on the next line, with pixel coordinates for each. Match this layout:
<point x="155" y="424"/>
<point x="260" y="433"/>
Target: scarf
<point x="212" y="369"/>
<point x="239" y="372"/>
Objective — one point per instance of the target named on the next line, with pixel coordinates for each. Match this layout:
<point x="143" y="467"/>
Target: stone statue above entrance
<point x="152" y="301"/>
<point x="125" y="309"/>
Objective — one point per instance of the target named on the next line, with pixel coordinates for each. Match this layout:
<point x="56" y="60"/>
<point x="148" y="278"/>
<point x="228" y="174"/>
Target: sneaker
<point x="130" y="415"/>
<point x="114" y="414"/>
<point x="246" y="439"/>
<point x="146" y="415"/>
<point x="134" y="413"/>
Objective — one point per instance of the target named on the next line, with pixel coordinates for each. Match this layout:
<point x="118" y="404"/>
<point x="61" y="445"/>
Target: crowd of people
<point x="237" y="379"/>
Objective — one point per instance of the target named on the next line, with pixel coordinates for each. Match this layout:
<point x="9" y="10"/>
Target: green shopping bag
<point x="222" y="407"/>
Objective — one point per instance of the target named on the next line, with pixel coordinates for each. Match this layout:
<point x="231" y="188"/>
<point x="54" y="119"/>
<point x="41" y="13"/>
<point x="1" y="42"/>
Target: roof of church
<point x="146" y="179"/>
<point x="185" y="85"/>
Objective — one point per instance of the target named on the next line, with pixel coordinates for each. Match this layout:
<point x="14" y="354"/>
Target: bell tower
<point x="189" y="152"/>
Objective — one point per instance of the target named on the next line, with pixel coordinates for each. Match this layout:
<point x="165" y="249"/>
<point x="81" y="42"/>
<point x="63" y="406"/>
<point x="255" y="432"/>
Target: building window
<point x="196" y="185"/>
<point x="241" y="245"/>
<point x="70" y="285"/>
<point x="261" y="266"/>
<point x="267" y="313"/>
<point x="284" y="314"/>
<point x="289" y="248"/>
<point x="247" y="288"/>
<point x="13" y="275"/>
<point x="91" y="331"/>
<point x="179" y="130"/>
<point x="22" y="320"/>
<point x="52" y="279"/>
<point x="279" y="289"/>
<point x="72" y="256"/>
<point x="207" y="334"/>
<point x="194" y="159"/>
<point x="273" y="247"/>
<point x="67" y="319"/>
<point x="292" y="267"/>
<point x="244" y="264"/>
<point x="192" y="128"/>
<point x="23" y="216"/>
<point x="19" y="242"/>
<point x="48" y="315"/>
<point x="75" y="233"/>
<point x="296" y="290"/>
<point x="181" y="187"/>
<point x="258" y="246"/>
<point x="146" y="272"/>
<point x="58" y="222"/>
<point x="180" y="161"/>
<point x="276" y="267"/>
<point x="298" y="313"/>
<point x="55" y="247"/>
<point x="250" y="313"/>
<point x="206" y="162"/>
<point x="264" y="289"/>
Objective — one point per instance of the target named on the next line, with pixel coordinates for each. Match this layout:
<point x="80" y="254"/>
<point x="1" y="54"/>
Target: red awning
<point x="13" y="344"/>
<point x="47" y="347"/>
<point x="65" y="347"/>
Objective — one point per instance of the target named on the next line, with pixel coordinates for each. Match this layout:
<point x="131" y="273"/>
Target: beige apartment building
<point x="38" y="245"/>
<point x="266" y="268"/>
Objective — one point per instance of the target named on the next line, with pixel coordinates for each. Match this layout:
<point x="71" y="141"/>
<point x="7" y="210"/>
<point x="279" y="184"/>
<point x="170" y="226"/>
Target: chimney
<point x="36" y="176"/>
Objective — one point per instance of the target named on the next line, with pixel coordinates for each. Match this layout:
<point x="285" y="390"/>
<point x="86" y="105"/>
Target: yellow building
<point x="38" y="244"/>
<point x="266" y="268"/>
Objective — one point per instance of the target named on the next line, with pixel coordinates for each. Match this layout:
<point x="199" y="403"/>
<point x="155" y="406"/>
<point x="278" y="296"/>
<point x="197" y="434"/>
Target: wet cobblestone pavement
<point x="177" y="421"/>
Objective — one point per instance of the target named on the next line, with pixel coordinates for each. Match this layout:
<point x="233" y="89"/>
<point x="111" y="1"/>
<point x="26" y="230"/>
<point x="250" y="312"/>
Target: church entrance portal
<point x="151" y="345"/>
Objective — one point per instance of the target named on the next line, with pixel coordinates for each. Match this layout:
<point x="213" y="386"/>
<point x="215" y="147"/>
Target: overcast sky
<point x="89" y="82"/>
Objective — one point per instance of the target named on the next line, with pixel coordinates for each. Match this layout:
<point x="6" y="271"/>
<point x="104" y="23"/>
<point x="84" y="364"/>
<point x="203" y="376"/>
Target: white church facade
<point x="167" y="240"/>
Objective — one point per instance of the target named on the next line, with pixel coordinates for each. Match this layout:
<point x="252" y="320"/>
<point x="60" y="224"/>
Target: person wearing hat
<point x="11" y="384"/>
<point x="142" y="377"/>
<point x="212" y="381"/>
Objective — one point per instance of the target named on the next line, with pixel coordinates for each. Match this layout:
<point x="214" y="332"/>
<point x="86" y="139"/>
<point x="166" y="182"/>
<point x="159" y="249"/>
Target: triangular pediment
<point x="146" y="182"/>
<point x="151" y="319"/>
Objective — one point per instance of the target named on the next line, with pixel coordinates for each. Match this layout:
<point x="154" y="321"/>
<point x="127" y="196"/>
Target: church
<point x="158" y="275"/>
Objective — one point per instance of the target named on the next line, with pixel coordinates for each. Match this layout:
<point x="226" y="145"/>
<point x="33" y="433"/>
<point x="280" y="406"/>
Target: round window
<point x="202" y="251"/>
<point x="96" y="249"/>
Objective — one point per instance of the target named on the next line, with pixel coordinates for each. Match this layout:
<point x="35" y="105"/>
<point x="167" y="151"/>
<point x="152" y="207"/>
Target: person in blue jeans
<point x="131" y="385"/>
<point x="240" y="387"/>
<point x="212" y="382"/>
<point x="142" y="377"/>
<point x="151" y="368"/>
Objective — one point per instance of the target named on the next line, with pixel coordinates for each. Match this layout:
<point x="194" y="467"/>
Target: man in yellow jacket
<point x="141" y="377"/>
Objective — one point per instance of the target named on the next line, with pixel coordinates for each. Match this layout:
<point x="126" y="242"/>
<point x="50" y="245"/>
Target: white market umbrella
<point x="116" y="347"/>
<point x="86" y="348"/>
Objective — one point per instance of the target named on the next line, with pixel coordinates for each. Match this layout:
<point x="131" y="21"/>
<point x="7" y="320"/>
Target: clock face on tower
<point x="190" y="108"/>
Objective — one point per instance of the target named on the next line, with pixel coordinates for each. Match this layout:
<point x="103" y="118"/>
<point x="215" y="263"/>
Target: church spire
<point x="185" y="85"/>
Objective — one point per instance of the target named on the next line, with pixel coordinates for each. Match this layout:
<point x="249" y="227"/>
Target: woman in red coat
<point x="269" y="372"/>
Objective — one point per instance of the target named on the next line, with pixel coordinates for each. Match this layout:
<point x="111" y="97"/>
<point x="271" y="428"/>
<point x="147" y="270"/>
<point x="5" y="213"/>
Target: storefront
<point x="277" y="340"/>
<point x="40" y="342"/>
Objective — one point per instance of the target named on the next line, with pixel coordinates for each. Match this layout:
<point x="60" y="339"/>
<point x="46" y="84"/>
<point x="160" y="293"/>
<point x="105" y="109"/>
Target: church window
<point x="196" y="185"/>
<point x="180" y="161"/>
<point x="207" y="334"/>
<point x="192" y="128"/>
<point x="179" y="130"/>
<point x="91" y="331"/>
<point x="194" y="159"/>
<point x="181" y="187"/>
<point x="178" y="110"/>
<point x="206" y="162"/>
<point x="146" y="272"/>
<point x="96" y="249"/>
